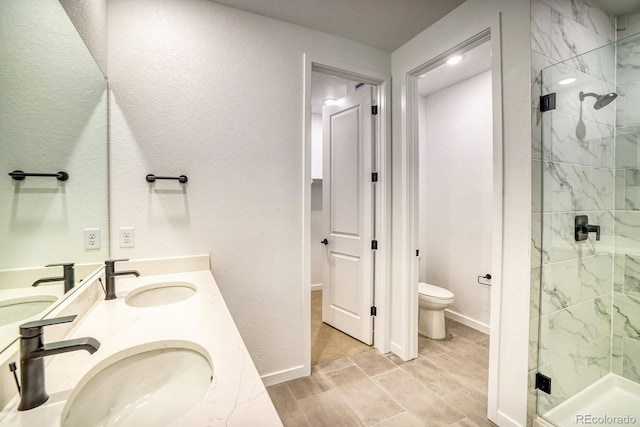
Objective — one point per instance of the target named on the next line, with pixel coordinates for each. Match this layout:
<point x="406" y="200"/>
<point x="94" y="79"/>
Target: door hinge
<point x="374" y="244"/>
<point x="374" y="110"/>
<point x="374" y="311"/>
<point x="417" y="252"/>
<point x="548" y="102"/>
<point x="543" y="383"/>
<point x="374" y="177"/>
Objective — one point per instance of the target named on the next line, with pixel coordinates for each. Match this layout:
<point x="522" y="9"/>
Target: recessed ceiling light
<point x="330" y="101"/>
<point x="567" y="81"/>
<point x="454" y="60"/>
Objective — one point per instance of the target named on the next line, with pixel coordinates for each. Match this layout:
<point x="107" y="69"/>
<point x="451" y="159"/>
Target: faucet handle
<point x="33" y="329"/>
<point x="113" y="261"/>
<point x="62" y="264"/>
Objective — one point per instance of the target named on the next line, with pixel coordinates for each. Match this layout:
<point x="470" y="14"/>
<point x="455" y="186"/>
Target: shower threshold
<point x="610" y="401"/>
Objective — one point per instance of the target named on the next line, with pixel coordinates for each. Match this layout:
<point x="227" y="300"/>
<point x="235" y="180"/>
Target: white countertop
<point x="236" y="396"/>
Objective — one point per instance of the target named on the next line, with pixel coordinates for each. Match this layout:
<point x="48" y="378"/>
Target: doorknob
<point x="325" y="242"/>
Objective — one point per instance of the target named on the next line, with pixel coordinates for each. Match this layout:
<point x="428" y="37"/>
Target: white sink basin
<point x="149" y="385"/>
<point x="17" y="309"/>
<point x="160" y="294"/>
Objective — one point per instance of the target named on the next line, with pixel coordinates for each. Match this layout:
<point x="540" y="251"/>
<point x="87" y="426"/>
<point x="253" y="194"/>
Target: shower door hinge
<point x="548" y="102"/>
<point x="417" y="252"/>
<point x="374" y="244"/>
<point x="543" y="383"/>
<point x="374" y="311"/>
<point x="374" y="177"/>
<point x="374" y="110"/>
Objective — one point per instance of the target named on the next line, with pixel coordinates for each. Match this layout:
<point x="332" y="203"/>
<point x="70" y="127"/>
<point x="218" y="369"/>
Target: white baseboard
<point x="316" y="287"/>
<point x="505" y="421"/>
<point x="285" y="375"/>
<point x="472" y="323"/>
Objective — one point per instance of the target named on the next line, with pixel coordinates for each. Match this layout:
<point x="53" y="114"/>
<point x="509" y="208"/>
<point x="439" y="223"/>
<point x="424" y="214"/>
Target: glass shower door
<point x="589" y="168"/>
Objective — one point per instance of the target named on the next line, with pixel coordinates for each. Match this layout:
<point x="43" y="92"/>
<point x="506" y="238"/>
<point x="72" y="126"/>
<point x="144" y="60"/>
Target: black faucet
<point x="32" y="353"/>
<point x="110" y="276"/>
<point x="69" y="276"/>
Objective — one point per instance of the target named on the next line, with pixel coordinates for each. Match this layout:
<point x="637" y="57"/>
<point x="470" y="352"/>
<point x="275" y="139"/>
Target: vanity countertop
<point x="236" y="396"/>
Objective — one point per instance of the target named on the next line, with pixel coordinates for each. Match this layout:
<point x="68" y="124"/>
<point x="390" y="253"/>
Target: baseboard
<point x="285" y="375"/>
<point x="472" y="323"/>
<point x="505" y="421"/>
<point x="316" y="287"/>
<point x="541" y="422"/>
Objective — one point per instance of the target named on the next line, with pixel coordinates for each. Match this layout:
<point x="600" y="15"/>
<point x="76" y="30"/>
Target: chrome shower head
<point x="601" y="100"/>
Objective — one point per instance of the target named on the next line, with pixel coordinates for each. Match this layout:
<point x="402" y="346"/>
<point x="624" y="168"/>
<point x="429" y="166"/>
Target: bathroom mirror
<point x="53" y="120"/>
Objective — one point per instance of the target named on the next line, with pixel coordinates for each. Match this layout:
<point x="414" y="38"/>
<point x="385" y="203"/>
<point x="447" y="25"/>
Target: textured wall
<point x="573" y="158"/>
<point x="52" y="118"/>
<point x="90" y="19"/>
<point x="217" y="94"/>
<point x="456" y="194"/>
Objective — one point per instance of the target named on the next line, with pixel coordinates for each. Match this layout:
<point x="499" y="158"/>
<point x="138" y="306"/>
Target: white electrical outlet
<point x="92" y="238"/>
<point x="127" y="237"/>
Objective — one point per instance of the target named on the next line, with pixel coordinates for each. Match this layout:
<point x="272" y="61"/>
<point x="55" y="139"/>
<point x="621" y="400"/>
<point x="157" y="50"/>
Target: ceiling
<point x="474" y="62"/>
<point x="384" y="24"/>
<point x="618" y="7"/>
<point x="325" y="86"/>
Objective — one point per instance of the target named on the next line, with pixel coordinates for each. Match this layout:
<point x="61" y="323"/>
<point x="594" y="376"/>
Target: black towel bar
<point x="19" y="175"/>
<point x="181" y="179"/>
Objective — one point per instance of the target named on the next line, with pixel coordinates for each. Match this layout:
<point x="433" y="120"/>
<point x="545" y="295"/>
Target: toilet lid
<point x="434" y="291"/>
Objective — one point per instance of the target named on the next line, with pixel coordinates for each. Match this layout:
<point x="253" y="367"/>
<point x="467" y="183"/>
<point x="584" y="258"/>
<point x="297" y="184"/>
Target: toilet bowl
<point x="432" y="300"/>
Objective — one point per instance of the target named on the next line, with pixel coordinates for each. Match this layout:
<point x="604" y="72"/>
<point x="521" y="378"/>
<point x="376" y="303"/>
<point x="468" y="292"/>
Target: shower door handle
<point x="583" y="228"/>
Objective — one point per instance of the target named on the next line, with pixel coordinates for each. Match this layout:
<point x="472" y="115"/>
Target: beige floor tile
<point x="466" y="372"/>
<point x="484" y="343"/>
<point x="435" y="378"/>
<point x="403" y="420"/>
<point x="346" y="375"/>
<point x="372" y="362"/>
<point x="395" y="359"/>
<point x="369" y="401"/>
<point x="418" y="399"/>
<point x="329" y="409"/>
<point x="287" y="407"/>
<point x="472" y="403"/>
<point x="334" y="365"/>
<point x="307" y="386"/>
<point x="462" y="331"/>
<point x="429" y="347"/>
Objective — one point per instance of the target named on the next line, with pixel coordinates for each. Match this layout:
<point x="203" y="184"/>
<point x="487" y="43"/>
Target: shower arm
<point x="583" y="95"/>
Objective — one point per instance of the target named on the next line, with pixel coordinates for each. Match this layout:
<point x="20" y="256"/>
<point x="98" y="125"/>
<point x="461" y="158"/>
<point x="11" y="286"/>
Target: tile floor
<point x="445" y="386"/>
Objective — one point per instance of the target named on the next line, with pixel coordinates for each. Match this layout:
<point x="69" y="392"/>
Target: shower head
<point x="601" y="100"/>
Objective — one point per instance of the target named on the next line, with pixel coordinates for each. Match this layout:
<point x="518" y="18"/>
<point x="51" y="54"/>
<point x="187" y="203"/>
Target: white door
<point x="347" y="202"/>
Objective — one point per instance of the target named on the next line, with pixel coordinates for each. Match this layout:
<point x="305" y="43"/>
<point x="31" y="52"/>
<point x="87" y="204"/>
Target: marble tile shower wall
<point x="573" y="173"/>
<point x="626" y="295"/>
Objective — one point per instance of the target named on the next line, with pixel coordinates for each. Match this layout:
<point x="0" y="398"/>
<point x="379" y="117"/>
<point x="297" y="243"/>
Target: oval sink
<point x="18" y="309"/>
<point x="160" y="294"/>
<point x="152" y="387"/>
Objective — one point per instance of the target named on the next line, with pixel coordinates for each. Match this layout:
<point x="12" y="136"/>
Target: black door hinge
<point x="374" y="110"/>
<point x="374" y="177"/>
<point x="548" y="102"/>
<point x="543" y="383"/>
<point x="374" y="311"/>
<point x="417" y="252"/>
<point x="374" y="244"/>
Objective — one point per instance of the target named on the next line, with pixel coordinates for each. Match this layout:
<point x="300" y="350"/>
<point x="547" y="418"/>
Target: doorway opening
<point x="346" y="227"/>
<point x="454" y="127"/>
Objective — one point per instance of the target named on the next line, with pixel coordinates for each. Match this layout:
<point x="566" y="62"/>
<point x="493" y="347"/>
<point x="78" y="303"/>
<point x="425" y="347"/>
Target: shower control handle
<point x="325" y="242"/>
<point x="583" y="228"/>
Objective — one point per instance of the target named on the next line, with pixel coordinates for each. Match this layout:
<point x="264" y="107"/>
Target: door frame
<point x="382" y="274"/>
<point x="410" y="206"/>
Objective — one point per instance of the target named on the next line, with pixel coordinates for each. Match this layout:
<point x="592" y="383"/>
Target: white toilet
<point x="432" y="302"/>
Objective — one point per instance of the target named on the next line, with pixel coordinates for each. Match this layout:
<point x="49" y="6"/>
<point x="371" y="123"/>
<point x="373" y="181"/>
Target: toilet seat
<point x="433" y="291"/>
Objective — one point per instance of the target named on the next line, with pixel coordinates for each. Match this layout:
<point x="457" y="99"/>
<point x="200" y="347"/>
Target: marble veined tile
<point x="619" y="195"/>
<point x="569" y="329"/>
<point x="533" y="343"/>
<point x="572" y="139"/>
<point x="536" y="186"/>
<point x="618" y="271"/>
<point x="540" y="28"/>
<point x="587" y="14"/>
<point x="536" y="131"/>
<point x="630" y="94"/>
<point x="536" y="239"/>
<point x="558" y="238"/>
<point x="632" y="189"/>
<point x="568" y="187"/>
<point x="631" y="283"/>
<point x="575" y="371"/>
<point x="570" y="40"/>
<point x="627" y="143"/>
<point x="568" y="283"/>
<point x="626" y="315"/>
<point x="628" y="60"/>
<point x="631" y="359"/>
<point x="616" y="355"/>
<point x="627" y="231"/>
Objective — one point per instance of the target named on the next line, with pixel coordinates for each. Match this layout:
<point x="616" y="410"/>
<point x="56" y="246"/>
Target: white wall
<point x="508" y="389"/>
<point x="216" y="94"/>
<point x="90" y="19"/>
<point x="456" y="194"/>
